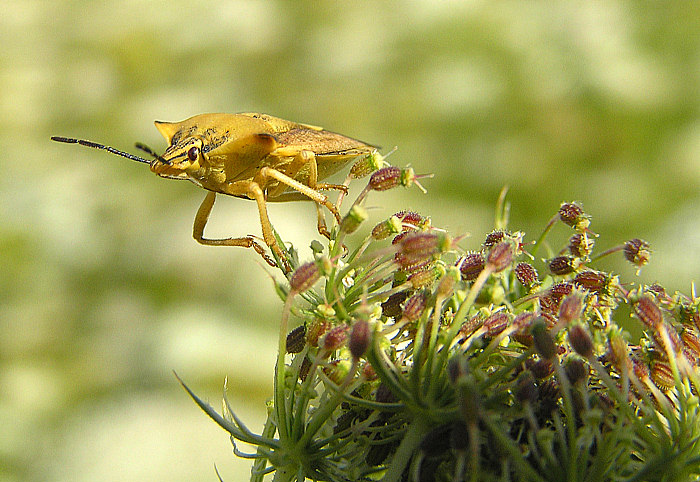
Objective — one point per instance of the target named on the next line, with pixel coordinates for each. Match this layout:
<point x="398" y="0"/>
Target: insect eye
<point x="193" y="153"/>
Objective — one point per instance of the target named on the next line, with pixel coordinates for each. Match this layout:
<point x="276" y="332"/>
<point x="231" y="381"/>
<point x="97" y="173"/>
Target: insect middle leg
<point x="200" y="221"/>
<point x="287" y="179"/>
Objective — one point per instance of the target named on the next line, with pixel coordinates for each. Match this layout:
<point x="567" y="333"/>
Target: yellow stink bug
<point x="252" y="156"/>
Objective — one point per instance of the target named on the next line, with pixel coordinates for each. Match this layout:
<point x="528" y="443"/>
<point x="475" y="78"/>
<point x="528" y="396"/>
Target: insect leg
<point x="270" y="173"/>
<point x="200" y="221"/>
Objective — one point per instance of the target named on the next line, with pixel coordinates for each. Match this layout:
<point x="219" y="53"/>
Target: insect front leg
<point x="200" y="221"/>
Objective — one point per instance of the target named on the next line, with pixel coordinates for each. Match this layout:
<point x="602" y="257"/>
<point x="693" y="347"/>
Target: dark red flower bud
<point x="637" y="252"/>
<point x="525" y="389"/>
<point x="360" y="338"/>
<point x="560" y="290"/>
<point x="581" y="245"/>
<point x="391" y="308"/>
<point x="648" y="312"/>
<point x="576" y="371"/>
<point x="304" y="368"/>
<point x="571" y="213"/>
<point x="304" y="277"/>
<point x="471" y="265"/>
<point x="662" y="375"/>
<point x="496" y="323"/>
<point x="335" y="338"/>
<point x="384" y="395"/>
<point x="561" y="265"/>
<point x="541" y="368"/>
<point x="593" y="281"/>
<point x="390" y="177"/>
<point x="691" y="346"/>
<point x="296" y="339"/>
<point x="571" y="308"/>
<point x="419" y="247"/>
<point x="580" y="340"/>
<point x="500" y="256"/>
<point x="526" y="274"/>
<point x="412" y="221"/>
<point x="494" y="237"/>
<point x="415" y="306"/>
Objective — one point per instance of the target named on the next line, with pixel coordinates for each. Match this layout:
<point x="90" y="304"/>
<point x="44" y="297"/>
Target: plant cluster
<point x="412" y="360"/>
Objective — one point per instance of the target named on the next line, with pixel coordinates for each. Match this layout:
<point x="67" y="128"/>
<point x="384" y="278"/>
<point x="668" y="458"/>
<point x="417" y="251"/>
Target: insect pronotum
<point x="252" y="156"/>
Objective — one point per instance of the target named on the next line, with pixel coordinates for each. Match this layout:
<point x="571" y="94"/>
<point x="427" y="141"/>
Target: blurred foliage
<point x="103" y="291"/>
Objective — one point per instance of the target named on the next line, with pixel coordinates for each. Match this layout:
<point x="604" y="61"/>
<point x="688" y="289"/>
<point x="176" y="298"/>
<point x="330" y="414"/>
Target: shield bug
<point x="251" y="156"/>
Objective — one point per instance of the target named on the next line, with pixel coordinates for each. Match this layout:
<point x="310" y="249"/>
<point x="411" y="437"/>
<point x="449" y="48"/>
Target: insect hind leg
<point x="200" y="221"/>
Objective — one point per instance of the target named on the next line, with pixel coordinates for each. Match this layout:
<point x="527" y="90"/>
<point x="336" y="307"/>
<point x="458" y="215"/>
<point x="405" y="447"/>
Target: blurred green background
<point x="103" y="291"/>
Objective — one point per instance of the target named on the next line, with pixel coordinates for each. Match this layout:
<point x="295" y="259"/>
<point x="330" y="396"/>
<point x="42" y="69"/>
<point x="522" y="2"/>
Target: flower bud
<point x="391" y="308"/>
<point x="471" y="265"/>
<point x="316" y="330"/>
<point x="581" y="245"/>
<point x="691" y="346"/>
<point x="500" y="256"/>
<point x="572" y="214"/>
<point x="386" y="228"/>
<point x="521" y="324"/>
<point x="561" y="265"/>
<point x="422" y="246"/>
<point x="526" y="274"/>
<point x="525" y="389"/>
<point x="471" y="325"/>
<point x="384" y="394"/>
<point x="593" y="281"/>
<point x="304" y="368"/>
<point x="415" y="306"/>
<point x="426" y="277"/>
<point x="368" y="372"/>
<point x="618" y="350"/>
<point x="412" y="221"/>
<point x="335" y="338"/>
<point x="496" y="323"/>
<point x="337" y="370"/>
<point x="576" y="371"/>
<point x="352" y="220"/>
<point x="494" y="237"/>
<point x="541" y="368"/>
<point x="662" y="375"/>
<point x="571" y="308"/>
<point x="390" y="177"/>
<point x="646" y="310"/>
<point x="304" y="277"/>
<point x="367" y="165"/>
<point x="360" y="338"/>
<point x="296" y="339"/>
<point x="580" y="340"/>
<point x="544" y="343"/>
<point x="637" y="252"/>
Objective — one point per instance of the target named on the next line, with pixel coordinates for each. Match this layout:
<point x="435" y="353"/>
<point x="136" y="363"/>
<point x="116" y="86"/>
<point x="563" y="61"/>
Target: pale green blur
<point x="103" y="290"/>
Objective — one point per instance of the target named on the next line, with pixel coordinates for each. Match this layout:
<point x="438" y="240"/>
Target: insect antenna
<point x="151" y="152"/>
<point x="95" y="145"/>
